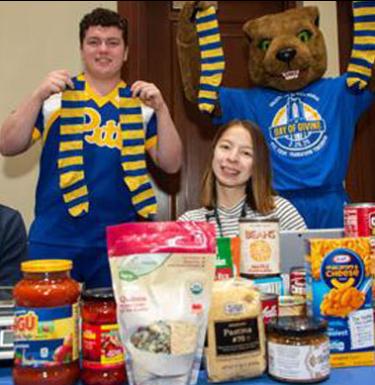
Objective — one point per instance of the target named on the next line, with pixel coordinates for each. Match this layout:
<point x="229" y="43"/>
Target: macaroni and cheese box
<point x="339" y="291"/>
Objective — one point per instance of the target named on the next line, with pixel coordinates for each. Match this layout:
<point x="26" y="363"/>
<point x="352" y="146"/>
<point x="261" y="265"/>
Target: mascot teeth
<point x="290" y="75"/>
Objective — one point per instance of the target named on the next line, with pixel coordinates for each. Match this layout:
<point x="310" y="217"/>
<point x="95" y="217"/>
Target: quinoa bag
<point x="162" y="276"/>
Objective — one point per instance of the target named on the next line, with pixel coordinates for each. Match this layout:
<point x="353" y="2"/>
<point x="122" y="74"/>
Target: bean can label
<point x="359" y="220"/>
<point x="260" y="247"/>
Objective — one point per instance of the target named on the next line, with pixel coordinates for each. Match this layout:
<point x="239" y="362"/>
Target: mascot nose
<point x="286" y="54"/>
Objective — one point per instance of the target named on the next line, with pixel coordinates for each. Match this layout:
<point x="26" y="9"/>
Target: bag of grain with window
<point x="235" y="339"/>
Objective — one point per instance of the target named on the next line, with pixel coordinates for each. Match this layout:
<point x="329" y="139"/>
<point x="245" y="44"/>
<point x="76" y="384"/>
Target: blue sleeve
<point x="39" y="124"/>
<point x="152" y="129"/>
<point x="234" y="104"/>
<point x="357" y="102"/>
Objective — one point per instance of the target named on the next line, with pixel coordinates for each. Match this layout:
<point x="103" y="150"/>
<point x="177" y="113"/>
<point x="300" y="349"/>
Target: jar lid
<point x="98" y="294"/>
<point x="297" y="325"/>
<point x="46" y="265"/>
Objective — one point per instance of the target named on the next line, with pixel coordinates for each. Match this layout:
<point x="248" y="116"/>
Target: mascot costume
<point x="308" y="121"/>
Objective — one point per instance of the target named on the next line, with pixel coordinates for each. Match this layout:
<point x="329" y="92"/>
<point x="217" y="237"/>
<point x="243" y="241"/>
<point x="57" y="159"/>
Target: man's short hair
<point x="105" y="18"/>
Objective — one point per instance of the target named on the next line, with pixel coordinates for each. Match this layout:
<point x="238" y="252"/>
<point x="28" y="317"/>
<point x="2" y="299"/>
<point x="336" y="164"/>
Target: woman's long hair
<point x="259" y="191"/>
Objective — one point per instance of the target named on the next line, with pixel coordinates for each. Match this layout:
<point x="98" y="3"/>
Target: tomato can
<point x="270" y="306"/>
<point x="260" y="247"/>
<point x="297" y="280"/>
<point x="359" y="220"/>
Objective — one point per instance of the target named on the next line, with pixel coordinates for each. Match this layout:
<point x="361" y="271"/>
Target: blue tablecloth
<point x="345" y="376"/>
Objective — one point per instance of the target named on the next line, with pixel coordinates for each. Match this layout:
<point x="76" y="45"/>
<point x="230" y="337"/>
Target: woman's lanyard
<point x="216" y="215"/>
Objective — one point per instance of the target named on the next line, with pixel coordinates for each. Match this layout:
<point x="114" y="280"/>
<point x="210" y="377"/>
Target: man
<point x="95" y="131"/>
<point x="13" y="245"/>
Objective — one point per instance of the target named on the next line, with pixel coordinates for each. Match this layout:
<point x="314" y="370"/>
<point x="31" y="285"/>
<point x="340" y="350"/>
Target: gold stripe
<point x="365" y="55"/>
<point x="71" y="161"/>
<point x="71" y="145"/>
<point x="213" y="80"/>
<point x="209" y="39"/>
<point x="133" y="182"/>
<point x="134" y="118"/>
<point x="361" y="84"/>
<point x="207" y="25"/>
<point x="366" y="26"/>
<point x="146" y="211"/>
<point x="131" y="166"/>
<point x="143" y="196"/>
<point x="212" y="53"/>
<point x="151" y="142"/>
<point x="75" y="194"/>
<point x="363" y="11"/>
<point x="208" y="94"/>
<point x="74" y="95"/>
<point x="206" y="107"/>
<point x="206" y="12"/>
<point x="36" y="135"/>
<point x="72" y="112"/>
<point x="71" y="129"/>
<point x="75" y="211"/>
<point x="129" y="102"/>
<point x="136" y="134"/>
<point x="213" y="66"/>
<point x="132" y="150"/>
<point x="360" y="69"/>
<point x="69" y="178"/>
<point x="363" y="40"/>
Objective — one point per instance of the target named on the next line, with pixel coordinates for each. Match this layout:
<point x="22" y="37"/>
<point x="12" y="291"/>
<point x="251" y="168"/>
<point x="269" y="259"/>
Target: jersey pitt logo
<point x="107" y="135"/>
<point x="297" y="129"/>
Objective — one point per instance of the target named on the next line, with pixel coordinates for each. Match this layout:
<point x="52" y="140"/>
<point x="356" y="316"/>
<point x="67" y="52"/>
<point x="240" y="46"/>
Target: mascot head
<point x="286" y="50"/>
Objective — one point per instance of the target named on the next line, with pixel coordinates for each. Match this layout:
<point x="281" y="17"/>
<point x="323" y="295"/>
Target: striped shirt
<point x="287" y="214"/>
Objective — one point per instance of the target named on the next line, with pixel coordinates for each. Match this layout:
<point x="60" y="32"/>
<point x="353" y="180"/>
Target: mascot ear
<point x="247" y="28"/>
<point x="313" y="14"/>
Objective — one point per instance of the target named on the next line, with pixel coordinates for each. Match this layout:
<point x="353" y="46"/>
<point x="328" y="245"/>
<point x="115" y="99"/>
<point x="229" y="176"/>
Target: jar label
<point x="45" y="337"/>
<point x="101" y="346"/>
<point x="237" y="337"/>
<point x="298" y="362"/>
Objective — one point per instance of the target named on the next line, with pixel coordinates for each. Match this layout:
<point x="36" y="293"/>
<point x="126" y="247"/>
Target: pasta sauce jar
<point x="46" y="324"/>
<point x="298" y="350"/>
<point x="102" y="352"/>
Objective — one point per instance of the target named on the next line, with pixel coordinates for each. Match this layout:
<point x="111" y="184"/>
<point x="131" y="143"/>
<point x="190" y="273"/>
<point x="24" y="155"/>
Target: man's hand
<point x="149" y="94"/>
<point x="55" y="82"/>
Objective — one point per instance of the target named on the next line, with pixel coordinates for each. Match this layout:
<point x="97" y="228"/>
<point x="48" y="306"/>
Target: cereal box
<point x="339" y="291"/>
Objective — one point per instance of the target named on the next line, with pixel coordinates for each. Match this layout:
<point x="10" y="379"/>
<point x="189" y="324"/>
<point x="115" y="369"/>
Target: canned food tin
<point x="260" y="247"/>
<point x="292" y="305"/>
<point x="359" y="220"/>
<point x="297" y="281"/>
<point x="270" y="306"/>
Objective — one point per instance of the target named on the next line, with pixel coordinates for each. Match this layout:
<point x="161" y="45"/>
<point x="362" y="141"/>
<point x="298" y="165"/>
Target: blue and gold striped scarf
<point x="211" y="59"/>
<point x="363" y="51"/>
<point x="70" y="161"/>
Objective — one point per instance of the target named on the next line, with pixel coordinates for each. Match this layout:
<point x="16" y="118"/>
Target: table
<point x="343" y="376"/>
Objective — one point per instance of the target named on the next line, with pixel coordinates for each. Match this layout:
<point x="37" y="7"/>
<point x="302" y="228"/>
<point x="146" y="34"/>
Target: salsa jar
<point x="46" y="325"/>
<point x="298" y="350"/>
<point x="102" y="352"/>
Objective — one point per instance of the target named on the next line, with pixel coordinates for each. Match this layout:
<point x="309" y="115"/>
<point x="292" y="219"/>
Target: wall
<point x="38" y="37"/>
<point x="328" y="24"/>
<point x="35" y="38"/>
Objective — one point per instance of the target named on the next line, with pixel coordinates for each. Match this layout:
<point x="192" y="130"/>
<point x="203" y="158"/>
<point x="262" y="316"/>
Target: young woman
<point x="237" y="183"/>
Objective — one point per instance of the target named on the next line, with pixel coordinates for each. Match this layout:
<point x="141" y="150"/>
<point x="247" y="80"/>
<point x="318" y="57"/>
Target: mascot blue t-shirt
<point x="309" y="133"/>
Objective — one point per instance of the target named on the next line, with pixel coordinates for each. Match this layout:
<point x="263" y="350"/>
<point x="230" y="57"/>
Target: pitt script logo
<point x="107" y="135"/>
<point x="297" y="129"/>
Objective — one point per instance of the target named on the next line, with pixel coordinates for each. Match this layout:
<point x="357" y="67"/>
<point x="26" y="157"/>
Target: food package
<point x="162" y="275"/>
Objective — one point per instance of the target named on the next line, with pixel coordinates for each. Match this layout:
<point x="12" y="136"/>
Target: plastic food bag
<point x="162" y="275"/>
